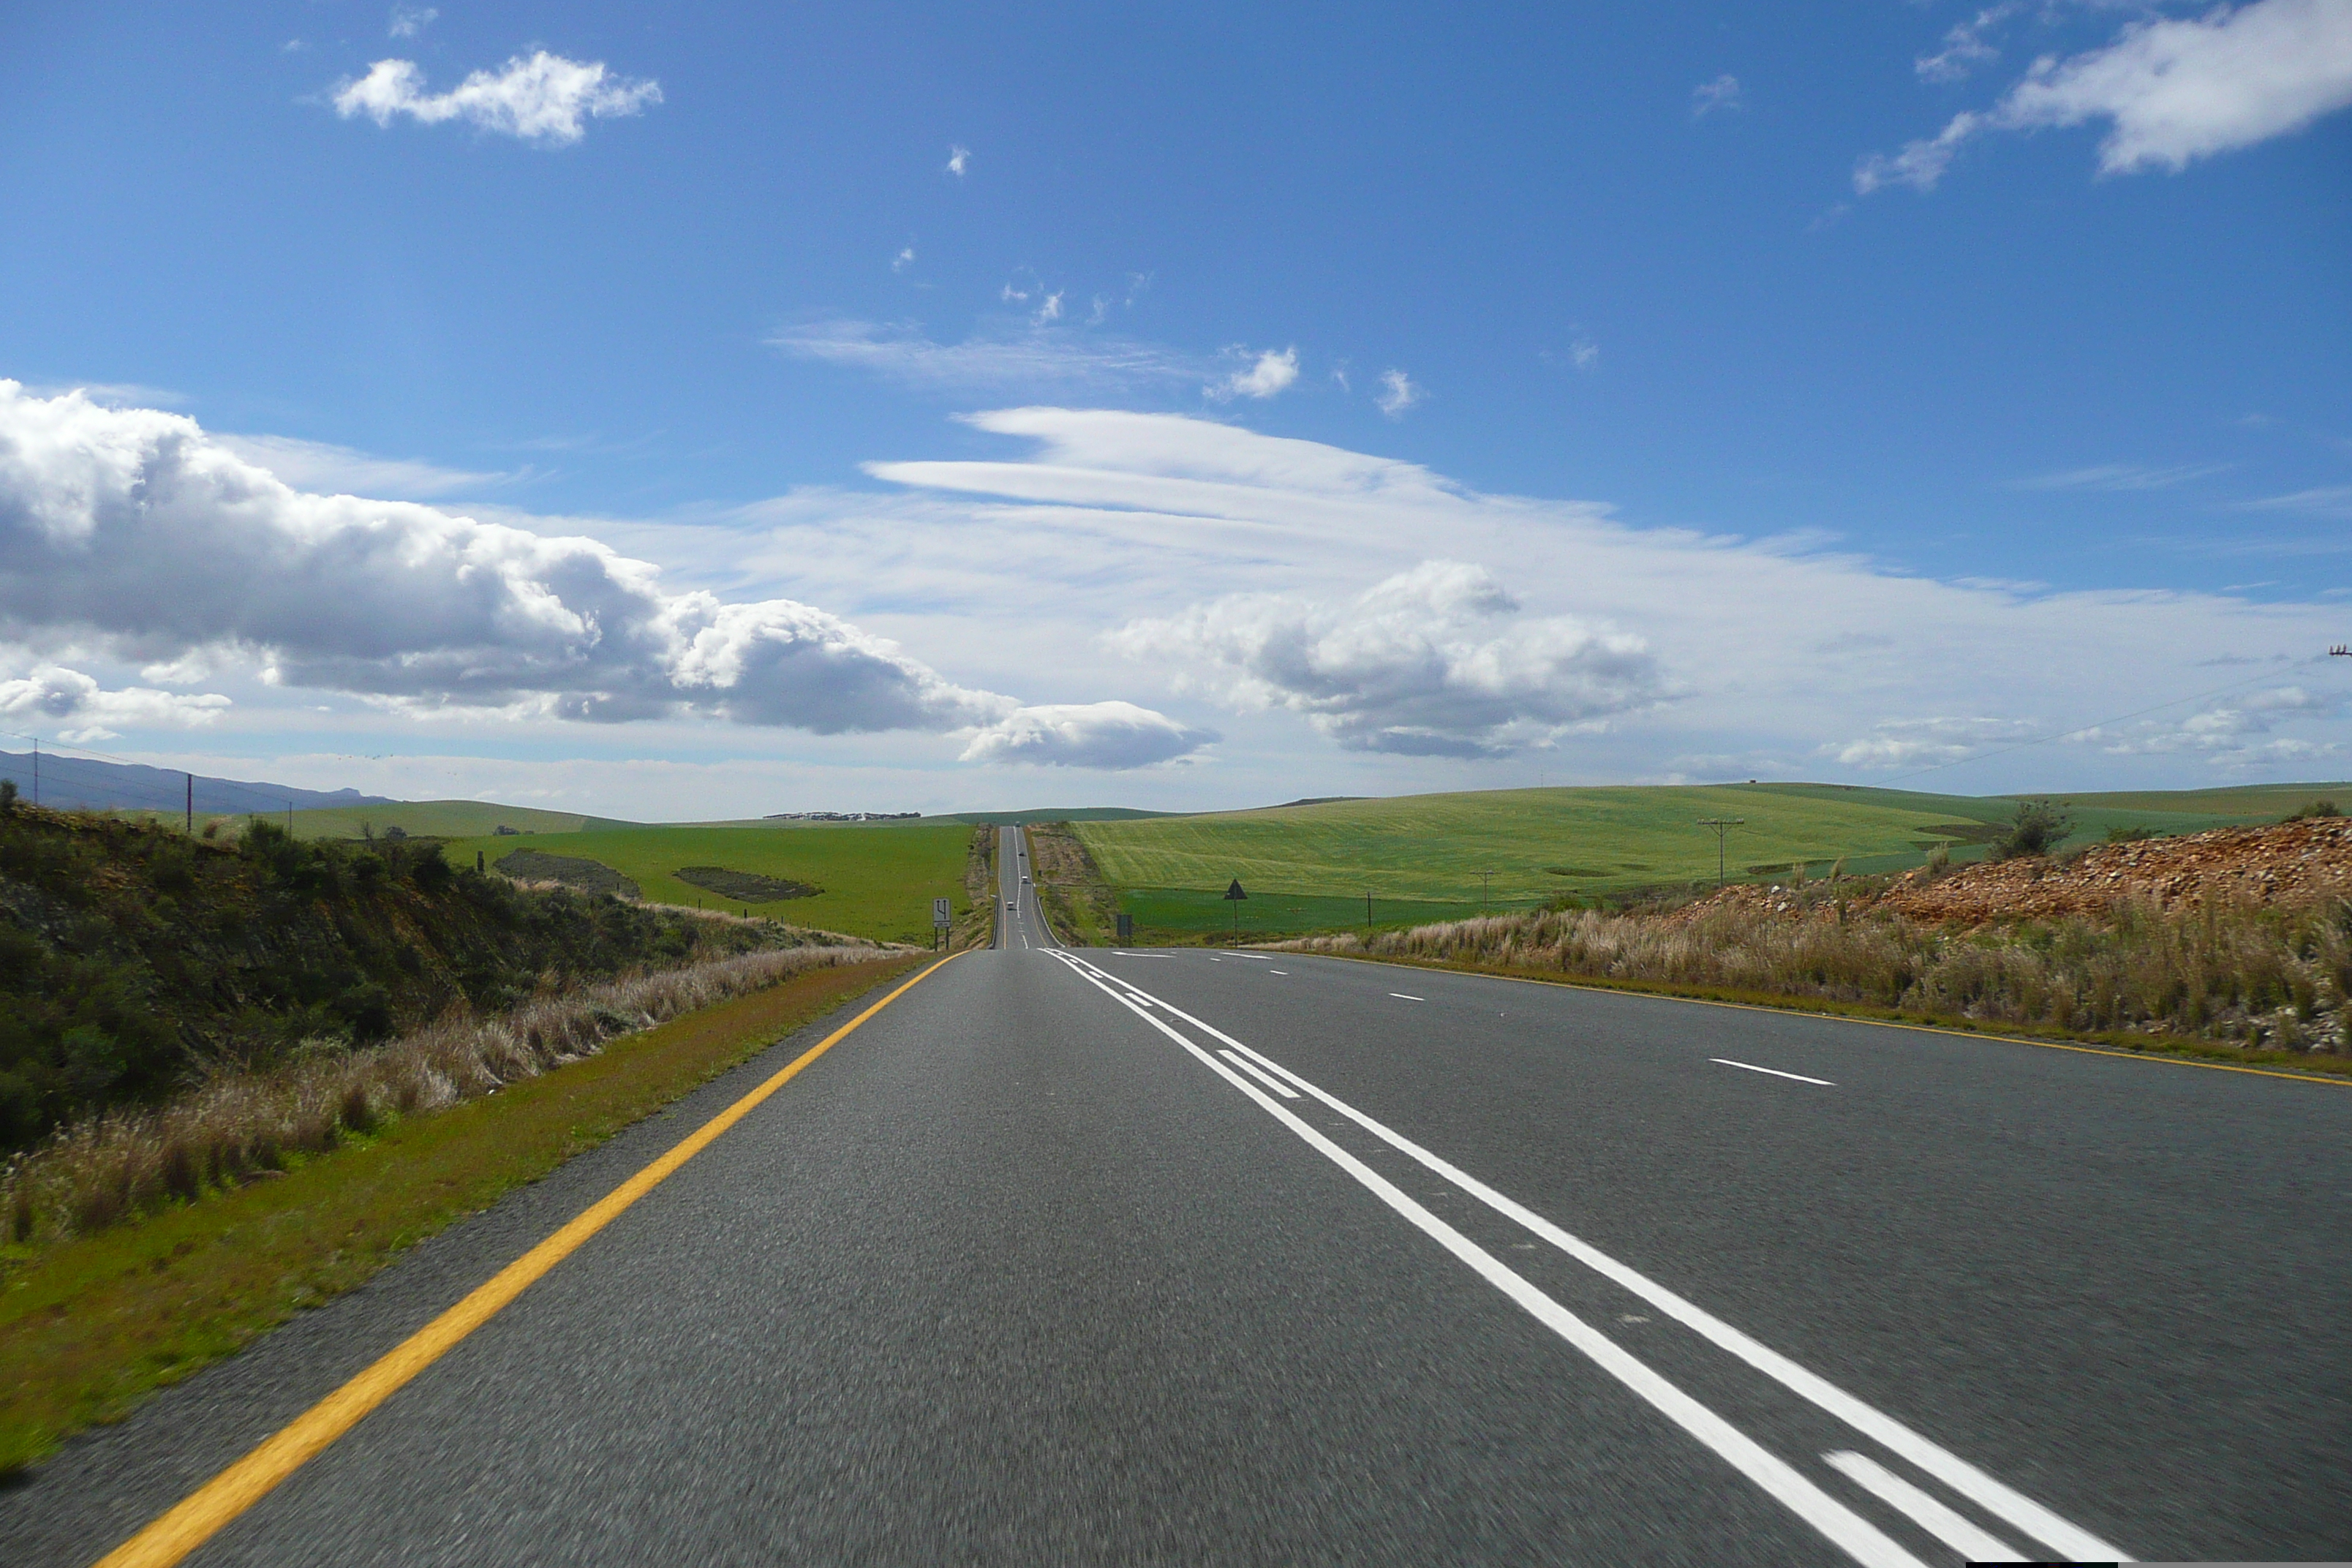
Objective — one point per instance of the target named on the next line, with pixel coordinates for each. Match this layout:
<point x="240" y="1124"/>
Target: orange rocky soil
<point x="2290" y="863"/>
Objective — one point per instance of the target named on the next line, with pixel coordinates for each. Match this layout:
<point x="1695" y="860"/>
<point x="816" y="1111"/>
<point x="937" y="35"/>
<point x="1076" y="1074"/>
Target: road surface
<point x="1195" y="1257"/>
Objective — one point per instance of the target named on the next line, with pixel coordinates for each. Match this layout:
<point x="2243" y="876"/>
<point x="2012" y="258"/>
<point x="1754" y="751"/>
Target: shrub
<point x="2316" y="808"/>
<point x="2037" y="828"/>
<point x="2131" y="834"/>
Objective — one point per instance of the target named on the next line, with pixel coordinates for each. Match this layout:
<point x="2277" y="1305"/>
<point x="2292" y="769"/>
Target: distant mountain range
<point x="76" y="783"/>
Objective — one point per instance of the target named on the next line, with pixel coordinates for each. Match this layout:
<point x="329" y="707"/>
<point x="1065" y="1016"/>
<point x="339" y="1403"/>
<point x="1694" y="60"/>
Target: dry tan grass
<point x="241" y="1124"/>
<point x="2244" y="975"/>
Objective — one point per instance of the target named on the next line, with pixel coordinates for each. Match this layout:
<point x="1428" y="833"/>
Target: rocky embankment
<point x="2300" y="862"/>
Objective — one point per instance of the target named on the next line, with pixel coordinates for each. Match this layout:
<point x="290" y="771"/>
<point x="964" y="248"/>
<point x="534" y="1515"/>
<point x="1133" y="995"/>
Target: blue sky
<point x="1968" y="400"/>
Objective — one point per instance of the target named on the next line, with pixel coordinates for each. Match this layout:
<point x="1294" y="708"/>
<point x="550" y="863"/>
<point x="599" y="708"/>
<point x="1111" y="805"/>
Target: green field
<point x="879" y="878"/>
<point x="1538" y="844"/>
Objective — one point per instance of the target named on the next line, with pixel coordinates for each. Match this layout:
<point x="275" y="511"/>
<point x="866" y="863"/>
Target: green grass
<point x="1184" y="914"/>
<point x="87" y="1328"/>
<point x="1541" y="843"/>
<point x="879" y="878"/>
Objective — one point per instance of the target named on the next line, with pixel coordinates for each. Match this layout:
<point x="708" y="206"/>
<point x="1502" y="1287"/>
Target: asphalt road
<point x="1200" y="1257"/>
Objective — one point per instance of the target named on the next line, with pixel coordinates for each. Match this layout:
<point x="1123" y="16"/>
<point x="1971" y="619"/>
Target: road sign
<point x="1126" y="929"/>
<point x="1235" y="890"/>
<point x="939" y="916"/>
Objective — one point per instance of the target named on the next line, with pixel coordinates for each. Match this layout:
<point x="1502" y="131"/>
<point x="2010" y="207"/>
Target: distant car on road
<point x="1008" y="903"/>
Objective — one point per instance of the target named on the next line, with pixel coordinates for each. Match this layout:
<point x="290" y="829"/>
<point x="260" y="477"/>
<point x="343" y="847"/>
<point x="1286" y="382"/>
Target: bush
<point x="2037" y="828"/>
<point x="2316" y="808"/>
<point x="2131" y="834"/>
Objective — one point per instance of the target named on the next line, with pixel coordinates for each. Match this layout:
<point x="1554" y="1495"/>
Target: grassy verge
<point x="2301" y="1064"/>
<point x="88" y="1326"/>
<point x="1080" y="906"/>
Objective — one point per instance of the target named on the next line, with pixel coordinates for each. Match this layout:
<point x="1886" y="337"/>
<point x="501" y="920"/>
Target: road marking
<point x="1277" y="972"/>
<point x="2011" y="1506"/>
<point x="1403" y="998"/>
<point x="1260" y="1074"/>
<point x="204" y="1512"/>
<point x="1860" y="1539"/>
<point x="1954" y="1529"/>
<point x="1776" y="1072"/>
<point x="1793" y="1010"/>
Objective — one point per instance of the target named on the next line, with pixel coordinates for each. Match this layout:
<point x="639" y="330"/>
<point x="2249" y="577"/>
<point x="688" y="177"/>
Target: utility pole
<point x="1367" y="909"/>
<point x="1722" y="825"/>
<point x="37" y="770"/>
<point x="191" y="805"/>
<point x="1481" y="890"/>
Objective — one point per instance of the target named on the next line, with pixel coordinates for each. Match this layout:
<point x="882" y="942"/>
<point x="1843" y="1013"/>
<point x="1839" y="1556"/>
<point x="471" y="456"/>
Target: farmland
<point x="1309" y="866"/>
<point x="877" y="880"/>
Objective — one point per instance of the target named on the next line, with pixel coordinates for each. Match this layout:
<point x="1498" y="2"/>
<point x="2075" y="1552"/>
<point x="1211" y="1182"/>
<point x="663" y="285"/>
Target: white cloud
<point x="1269" y="373"/>
<point x="1919" y="165"/>
<point x="1707" y="97"/>
<point x="2326" y="500"/>
<point x="1917" y="742"/>
<point x="1431" y="662"/>
<point x="542" y="99"/>
<point x="315" y="465"/>
<point x="1111" y="735"/>
<point x="408" y="21"/>
<point x="959" y="160"/>
<point x="1031" y="356"/>
<point x="1398" y="393"/>
<point x="1051" y="310"/>
<point x="49" y="695"/>
<point x="1965" y="47"/>
<point x="2171" y="90"/>
<point x="904" y="259"/>
<point x="135" y="530"/>
<point x="2120" y="477"/>
<point x="1776" y="646"/>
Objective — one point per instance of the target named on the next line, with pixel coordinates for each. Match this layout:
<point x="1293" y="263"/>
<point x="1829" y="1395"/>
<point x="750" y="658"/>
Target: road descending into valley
<point x="1196" y="1256"/>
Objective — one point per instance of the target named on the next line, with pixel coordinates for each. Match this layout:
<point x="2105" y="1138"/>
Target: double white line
<point x="1269" y="1083"/>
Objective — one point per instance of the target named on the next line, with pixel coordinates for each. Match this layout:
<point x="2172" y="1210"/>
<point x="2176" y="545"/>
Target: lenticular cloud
<point x="135" y="530"/>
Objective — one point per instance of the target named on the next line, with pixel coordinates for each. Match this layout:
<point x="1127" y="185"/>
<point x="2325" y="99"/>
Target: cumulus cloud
<point x="2171" y="90"/>
<point x="543" y="99"/>
<point x="1271" y="373"/>
<point x="1051" y="310"/>
<point x="1773" y="648"/>
<point x="408" y="21"/>
<point x="1398" y="393"/>
<point x="1707" y="97"/>
<point x="959" y="160"/>
<point x="904" y="259"/>
<point x="134" y="529"/>
<point x="75" y="707"/>
<point x="1430" y="662"/>
<point x="1111" y="735"/>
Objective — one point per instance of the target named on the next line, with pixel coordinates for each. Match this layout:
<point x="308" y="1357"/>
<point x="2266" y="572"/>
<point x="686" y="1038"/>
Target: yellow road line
<point x="211" y="1507"/>
<point x="1794" y="1010"/>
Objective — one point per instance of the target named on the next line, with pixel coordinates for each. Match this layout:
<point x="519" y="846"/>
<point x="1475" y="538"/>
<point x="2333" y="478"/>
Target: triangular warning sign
<point x="1235" y="890"/>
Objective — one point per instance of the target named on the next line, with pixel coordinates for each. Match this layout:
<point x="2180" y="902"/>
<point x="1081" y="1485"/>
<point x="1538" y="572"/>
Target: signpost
<point x="941" y="921"/>
<point x="1235" y="896"/>
<point x="1125" y="937"/>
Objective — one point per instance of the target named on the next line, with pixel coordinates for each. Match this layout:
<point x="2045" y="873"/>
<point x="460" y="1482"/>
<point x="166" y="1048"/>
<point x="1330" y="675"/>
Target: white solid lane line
<point x="1260" y="1074"/>
<point x="1776" y="1072"/>
<point x="2045" y="1525"/>
<point x="1403" y="998"/>
<point x="1860" y="1539"/>
<point x="1277" y="972"/>
<point x="1954" y="1529"/>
